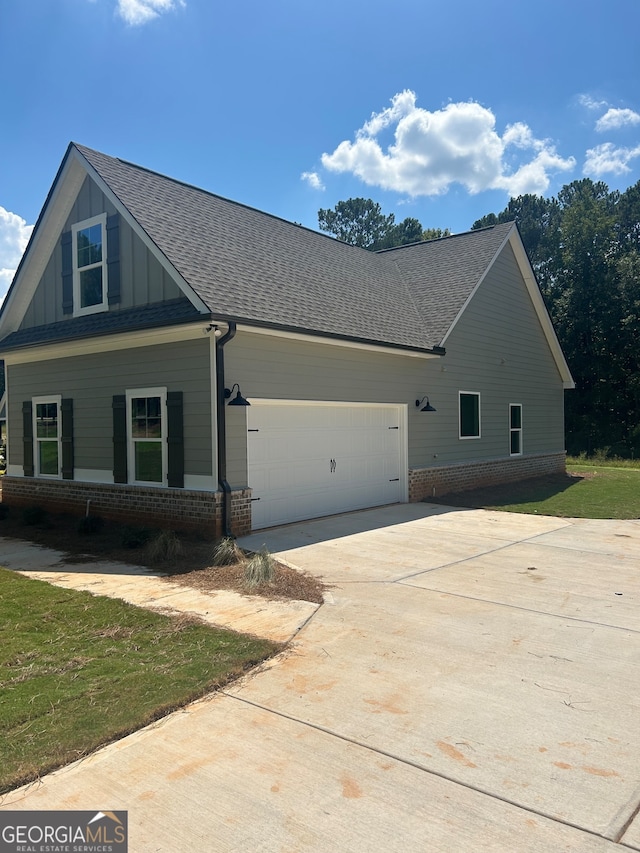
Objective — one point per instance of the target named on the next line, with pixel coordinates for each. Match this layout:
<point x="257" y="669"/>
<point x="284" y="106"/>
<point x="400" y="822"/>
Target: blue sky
<point x="436" y="110"/>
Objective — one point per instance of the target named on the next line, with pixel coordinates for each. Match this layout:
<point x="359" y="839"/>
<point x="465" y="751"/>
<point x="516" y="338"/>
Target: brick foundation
<point x="177" y="509"/>
<point x="447" y="479"/>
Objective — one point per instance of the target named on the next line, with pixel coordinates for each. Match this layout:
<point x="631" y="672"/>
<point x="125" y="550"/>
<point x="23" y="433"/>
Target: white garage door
<point x="306" y="460"/>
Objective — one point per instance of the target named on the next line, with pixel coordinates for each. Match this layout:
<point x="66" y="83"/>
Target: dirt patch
<point x="191" y="568"/>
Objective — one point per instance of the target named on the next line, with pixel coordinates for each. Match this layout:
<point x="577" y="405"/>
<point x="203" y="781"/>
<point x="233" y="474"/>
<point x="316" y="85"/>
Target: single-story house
<point x="173" y="356"/>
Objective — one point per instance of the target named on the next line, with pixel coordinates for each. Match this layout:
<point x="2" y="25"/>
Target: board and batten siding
<point x="142" y="278"/>
<point x="92" y="380"/>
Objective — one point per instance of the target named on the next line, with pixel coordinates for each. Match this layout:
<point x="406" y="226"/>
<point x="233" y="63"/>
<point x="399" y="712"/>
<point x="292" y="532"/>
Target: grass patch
<point x="601" y="461"/>
<point x="78" y="671"/>
<point x="587" y="491"/>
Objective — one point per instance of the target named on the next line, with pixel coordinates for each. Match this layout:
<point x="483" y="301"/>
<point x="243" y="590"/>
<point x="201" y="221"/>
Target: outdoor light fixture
<point x="427" y="408"/>
<point x="238" y="400"/>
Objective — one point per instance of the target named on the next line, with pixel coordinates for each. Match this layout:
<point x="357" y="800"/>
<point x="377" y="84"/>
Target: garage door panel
<point x="312" y="460"/>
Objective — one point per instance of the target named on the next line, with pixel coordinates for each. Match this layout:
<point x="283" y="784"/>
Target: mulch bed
<point x="192" y="568"/>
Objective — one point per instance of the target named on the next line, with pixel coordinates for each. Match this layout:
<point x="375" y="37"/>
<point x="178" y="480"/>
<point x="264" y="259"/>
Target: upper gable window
<point x="90" y="265"/>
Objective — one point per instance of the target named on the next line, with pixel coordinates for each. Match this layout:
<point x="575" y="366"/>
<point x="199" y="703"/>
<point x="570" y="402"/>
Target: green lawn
<point x="78" y="671"/>
<point x="589" y="491"/>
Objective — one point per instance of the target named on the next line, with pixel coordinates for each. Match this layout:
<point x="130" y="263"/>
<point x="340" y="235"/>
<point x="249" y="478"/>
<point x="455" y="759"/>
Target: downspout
<point x="222" y="430"/>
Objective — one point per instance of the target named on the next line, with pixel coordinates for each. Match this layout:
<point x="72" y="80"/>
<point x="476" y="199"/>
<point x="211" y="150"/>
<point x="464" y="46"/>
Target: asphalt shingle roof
<point x="109" y="322"/>
<point x="254" y="267"/>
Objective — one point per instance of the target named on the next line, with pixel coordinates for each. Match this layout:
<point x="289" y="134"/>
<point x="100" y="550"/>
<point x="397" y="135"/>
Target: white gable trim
<point x="142" y="234"/>
<point x="42" y="244"/>
<point x="514" y="239"/>
<point x="47" y="232"/>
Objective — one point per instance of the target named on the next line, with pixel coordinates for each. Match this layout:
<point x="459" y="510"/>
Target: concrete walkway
<point x="279" y="621"/>
<point x="471" y="684"/>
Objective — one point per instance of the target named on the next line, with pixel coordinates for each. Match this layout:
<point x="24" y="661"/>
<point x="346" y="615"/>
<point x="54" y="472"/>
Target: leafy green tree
<point x="435" y="233"/>
<point x="584" y="246"/>
<point x="358" y="221"/>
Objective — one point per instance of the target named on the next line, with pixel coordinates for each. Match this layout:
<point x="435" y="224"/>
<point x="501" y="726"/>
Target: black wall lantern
<point x="427" y="408"/>
<point x="238" y="400"/>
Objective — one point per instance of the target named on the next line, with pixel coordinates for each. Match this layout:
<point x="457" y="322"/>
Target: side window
<point x="515" y="429"/>
<point x="89" y="256"/>
<point x="146" y="433"/>
<point x="47" y="435"/>
<point x="469" y="414"/>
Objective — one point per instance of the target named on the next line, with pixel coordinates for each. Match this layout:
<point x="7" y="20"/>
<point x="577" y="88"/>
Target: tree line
<point x="584" y="247"/>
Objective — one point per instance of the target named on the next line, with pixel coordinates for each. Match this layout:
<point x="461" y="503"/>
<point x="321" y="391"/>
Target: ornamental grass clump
<point x="227" y="553"/>
<point x="164" y="547"/>
<point x="259" y="569"/>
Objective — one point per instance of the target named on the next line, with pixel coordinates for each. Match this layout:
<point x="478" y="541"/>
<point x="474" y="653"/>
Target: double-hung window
<point x="47" y="433"/>
<point x="147" y="435"/>
<point x="469" y="414"/>
<point x="90" y="265"/>
<point x="515" y="429"/>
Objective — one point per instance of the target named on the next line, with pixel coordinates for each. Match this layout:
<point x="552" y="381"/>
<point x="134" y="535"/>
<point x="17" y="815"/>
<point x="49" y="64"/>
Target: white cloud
<point x="313" y="179"/>
<point x="456" y="144"/>
<point x="607" y="159"/>
<point x="136" y="12"/>
<point x="591" y="103"/>
<point x="14" y="236"/>
<point x="614" y="119"/>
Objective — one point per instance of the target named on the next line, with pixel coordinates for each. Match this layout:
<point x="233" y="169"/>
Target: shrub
<point x="259" y="568"/>
<point x="4" y="511"/>
<point x="32" y="515"/>
<point x="135" y="537"/>
<point x="227" y="553"/>
<point x="164" y="546"/>
<point x="90" y="524"/>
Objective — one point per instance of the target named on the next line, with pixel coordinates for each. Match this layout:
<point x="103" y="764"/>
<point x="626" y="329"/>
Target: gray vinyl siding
<point x="499" y="325"/>
<point x="278" y="368"/>
<point x="92" y="380"/>
<point x="142" y="278"/>
<point x="498" y="349"/>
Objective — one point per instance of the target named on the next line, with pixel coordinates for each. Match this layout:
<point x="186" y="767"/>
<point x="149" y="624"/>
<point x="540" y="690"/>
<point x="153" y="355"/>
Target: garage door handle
<point x="393" y="427"/>
<point x="395" y="480"/>
<point x="332" y="466"/>
<point x="253" y="430"/>
<point x="254" y="499"/>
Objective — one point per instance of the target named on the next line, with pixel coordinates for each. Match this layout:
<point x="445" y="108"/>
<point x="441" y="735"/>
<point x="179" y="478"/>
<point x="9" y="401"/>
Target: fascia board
<point x="540" y="308"/>
<point x="42" y="243"/>
<point x="475" y="289"/>
<point x="513" y="238"/>
<point x="162" y="259"/>
<point x="335" y="342"/>
<point x="107" y="343"/>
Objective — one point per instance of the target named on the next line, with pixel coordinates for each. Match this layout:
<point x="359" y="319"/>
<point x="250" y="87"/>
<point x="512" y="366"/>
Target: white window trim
<point x="50" y="398"/>
<point x="131" y="460"/>
<point x="78" y="311"/>
<point x="512" y="430"/>
<point x="469" y="437"/>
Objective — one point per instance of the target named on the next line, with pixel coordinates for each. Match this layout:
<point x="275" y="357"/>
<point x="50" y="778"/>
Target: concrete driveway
<point x="471" y="684"/>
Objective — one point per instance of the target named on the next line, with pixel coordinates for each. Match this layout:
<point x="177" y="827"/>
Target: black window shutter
<point x="67" y="273"/>
<point x="67" y="439"/>
<point x="119" y="405"/>
<point x="175" y="440"/>
<point x="27" y="438"/>
<point x="113" y="259"/>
